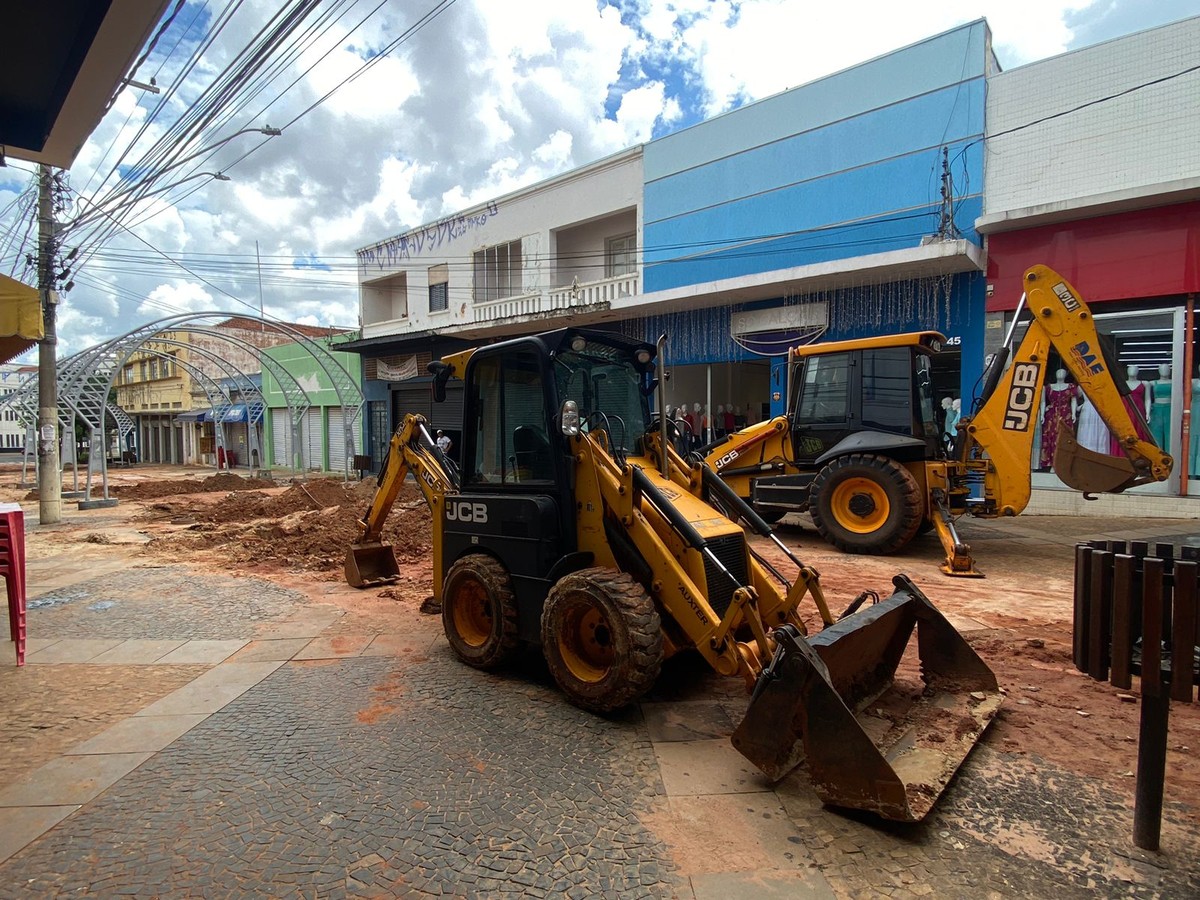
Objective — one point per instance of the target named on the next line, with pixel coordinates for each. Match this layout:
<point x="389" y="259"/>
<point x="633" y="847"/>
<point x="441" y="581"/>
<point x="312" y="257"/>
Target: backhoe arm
<point x="412" y="449"/>
<point x="1004" y="427"/>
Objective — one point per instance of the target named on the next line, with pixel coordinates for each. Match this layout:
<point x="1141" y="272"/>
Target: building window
<point x="439" y="288"/>
<point x="497" y="271"/>
<point x="129" y="374"/>
<point x="620" y="255"/>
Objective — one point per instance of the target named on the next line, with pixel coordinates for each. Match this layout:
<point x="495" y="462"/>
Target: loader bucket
<point x="371" y="564"/>
<point x="1090" y="472"/>
<point x="871" y="744"/>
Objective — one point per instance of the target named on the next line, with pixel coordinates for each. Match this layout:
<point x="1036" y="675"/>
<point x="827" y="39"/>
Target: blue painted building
<point x="840" y="208"/>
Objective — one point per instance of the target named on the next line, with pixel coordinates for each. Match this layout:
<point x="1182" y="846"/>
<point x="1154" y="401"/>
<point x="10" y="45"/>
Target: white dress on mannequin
<point x="1092" y="433"/>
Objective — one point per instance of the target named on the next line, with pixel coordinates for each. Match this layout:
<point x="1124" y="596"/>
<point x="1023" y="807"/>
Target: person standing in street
<point x="443" y="442"/>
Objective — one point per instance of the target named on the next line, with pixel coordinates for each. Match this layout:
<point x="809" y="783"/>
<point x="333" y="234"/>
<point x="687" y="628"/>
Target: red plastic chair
<point x="12" y="567"/>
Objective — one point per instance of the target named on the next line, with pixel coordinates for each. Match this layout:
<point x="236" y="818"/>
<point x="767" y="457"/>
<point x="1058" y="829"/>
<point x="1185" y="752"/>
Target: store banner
<point x="406" y="369"/>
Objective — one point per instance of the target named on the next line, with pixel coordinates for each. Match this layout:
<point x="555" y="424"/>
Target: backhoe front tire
<point x="479" y="612"/>
<point x="602" y="638"/>
<point x="863" y="503"/>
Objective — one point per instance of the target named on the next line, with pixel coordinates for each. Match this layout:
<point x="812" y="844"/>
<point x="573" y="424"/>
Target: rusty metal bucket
<point x="1090" y="472"/>
<point x="371" y="564"/>
<point x="870" y="744"/>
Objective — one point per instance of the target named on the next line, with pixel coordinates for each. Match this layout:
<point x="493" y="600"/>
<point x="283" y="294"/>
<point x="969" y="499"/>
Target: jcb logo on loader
<point x="1021" y="396"/>
<point x="727" y="459"/>
<point x="466" y="511"/>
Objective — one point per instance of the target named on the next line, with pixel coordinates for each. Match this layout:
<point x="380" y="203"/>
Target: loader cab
<point x="880" y="385"/>
<point x="517" y="474"/>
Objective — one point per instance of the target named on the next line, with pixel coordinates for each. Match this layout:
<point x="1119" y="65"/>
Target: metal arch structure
<point x="294" y="395"/>
<point x="349" y="395"/>
<point x="86" y="378"/>
<point x="92" y="406"/>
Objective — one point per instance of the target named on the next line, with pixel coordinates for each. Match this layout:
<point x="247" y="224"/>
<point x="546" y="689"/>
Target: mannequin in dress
<point x="698" y="424"/>
<point x="681" y="434"/>
<point x="1160" y="408"/>
<point x="1091" y="432"/>
<point x="1061" y="397"/>
<point x="952" y="409"/>
<point x="729" y="422"/>
<point x="706" y="426"/>
<point x="1136" y="401"/>
<point x="719" y="422"/>
<point x="739" y="421"/>
<point x="1194" y="450"/>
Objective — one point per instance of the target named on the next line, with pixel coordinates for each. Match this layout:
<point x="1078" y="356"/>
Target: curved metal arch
<point x="295" y="396"/>
<point x="349" y="394"/>
<point x="212" y="389"/>
<point x="91" y="374"/>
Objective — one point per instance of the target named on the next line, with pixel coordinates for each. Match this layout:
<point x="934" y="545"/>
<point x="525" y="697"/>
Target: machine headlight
<point x="570" y="418"/>
<point x="578" y="343"/>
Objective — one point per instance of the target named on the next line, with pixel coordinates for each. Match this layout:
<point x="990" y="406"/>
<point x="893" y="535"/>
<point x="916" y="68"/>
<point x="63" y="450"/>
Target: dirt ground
<point x="1018" y="618"/>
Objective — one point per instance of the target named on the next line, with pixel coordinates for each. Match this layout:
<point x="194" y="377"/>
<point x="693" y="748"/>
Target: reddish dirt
<point x="308" y="526"/>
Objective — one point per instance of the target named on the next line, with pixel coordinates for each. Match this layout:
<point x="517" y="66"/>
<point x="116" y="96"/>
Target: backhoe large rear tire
<point x="602" y="638"/>
<point x="863" y="503"/>
<point x="479" y="611"/>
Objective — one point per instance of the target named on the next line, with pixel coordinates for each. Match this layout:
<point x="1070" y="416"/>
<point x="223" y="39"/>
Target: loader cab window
<point x="825" y="390"/>
<point x="887" y="390"/>
<point x="512" y="445"/>
<point x="606" y="385"/>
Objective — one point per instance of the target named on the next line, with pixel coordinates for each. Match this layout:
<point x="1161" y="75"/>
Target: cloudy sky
<point x="426" y="117"/>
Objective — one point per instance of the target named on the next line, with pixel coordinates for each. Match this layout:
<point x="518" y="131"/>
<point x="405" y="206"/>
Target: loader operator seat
<point x="532" y="452"/>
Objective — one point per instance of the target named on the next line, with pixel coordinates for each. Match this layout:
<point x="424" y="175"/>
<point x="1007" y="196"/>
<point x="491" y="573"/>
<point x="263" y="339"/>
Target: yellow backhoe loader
<point x="860" y="451"/>
<point x="574" y="526"/>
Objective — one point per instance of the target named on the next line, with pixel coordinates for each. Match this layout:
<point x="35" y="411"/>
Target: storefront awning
<point x="196" y="415"/>
<point x="20" y="318"/>
<point x="235" y="413"/>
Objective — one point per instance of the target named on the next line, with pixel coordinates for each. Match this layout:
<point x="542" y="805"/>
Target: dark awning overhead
<point x="61" y="63"/>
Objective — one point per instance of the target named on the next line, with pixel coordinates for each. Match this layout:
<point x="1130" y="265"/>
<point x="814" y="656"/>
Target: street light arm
<point x="267" y="130"/>
<point x="98" y="210"/>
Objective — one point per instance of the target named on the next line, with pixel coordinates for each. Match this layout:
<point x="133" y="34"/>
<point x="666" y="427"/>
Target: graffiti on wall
<point x="389" y="254"/>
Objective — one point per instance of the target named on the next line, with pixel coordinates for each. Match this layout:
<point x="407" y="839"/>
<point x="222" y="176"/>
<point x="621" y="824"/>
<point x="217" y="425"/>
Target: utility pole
<point x="49" y="466"/>
<point x="262" y="325"/>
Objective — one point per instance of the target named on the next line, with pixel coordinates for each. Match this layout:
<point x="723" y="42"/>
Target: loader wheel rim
<point x="586" y="643"/>
<point x="472" y="614"/>
<point x="860" y="505"/>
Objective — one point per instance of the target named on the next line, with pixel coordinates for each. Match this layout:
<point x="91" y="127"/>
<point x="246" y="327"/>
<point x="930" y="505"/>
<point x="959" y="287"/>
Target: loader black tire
<point x="479" y="611"/>
<point x="602" y="638"/>
<point x="863" y="503"/>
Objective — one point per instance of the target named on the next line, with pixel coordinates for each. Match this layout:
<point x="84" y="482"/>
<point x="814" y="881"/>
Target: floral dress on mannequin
<point x="1060" y="406"/>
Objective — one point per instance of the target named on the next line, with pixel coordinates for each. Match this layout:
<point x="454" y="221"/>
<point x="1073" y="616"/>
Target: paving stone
<point x="202" y="651"/>
<point x="335" y="647"/>
<point x="71" y="650"/>
<point x="21" y="825"/>
<point x="762" y="886"/>
<point x="70" y="780"/>
<point x="138" y="734"/>
<point x="706" y="767"/>
<point x="270" y="650"/>
<point x="212" y="690"/>
<point x="686" y="721"/>
<point x="138" y="651"/>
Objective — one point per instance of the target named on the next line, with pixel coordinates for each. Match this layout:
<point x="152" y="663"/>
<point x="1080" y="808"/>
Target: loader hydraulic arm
<point x="1003" y="429"/>
<point x="412" y="449"/>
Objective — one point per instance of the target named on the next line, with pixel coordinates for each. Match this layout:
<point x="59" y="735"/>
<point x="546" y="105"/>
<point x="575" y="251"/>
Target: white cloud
<point x="486" y="99"/>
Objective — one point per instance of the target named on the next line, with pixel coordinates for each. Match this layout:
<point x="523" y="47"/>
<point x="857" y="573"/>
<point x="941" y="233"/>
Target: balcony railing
<point x="573" y="296"/>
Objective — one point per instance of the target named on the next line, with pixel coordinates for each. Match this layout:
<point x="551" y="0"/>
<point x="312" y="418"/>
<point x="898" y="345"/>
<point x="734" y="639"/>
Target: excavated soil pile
<point x="309" y="526"/>
<point x="222" y="481"/>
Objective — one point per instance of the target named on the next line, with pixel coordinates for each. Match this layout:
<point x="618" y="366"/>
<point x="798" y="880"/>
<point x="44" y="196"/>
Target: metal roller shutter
<point x="311" y="432"/>
<point x="281" y="434"/>
<point x="449" y="413"/>
<point x="337" y="440"/>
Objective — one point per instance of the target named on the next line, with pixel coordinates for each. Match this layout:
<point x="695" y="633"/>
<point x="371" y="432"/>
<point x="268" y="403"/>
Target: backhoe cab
<point x="859" y="448"/>
<point x="575" y="526"/>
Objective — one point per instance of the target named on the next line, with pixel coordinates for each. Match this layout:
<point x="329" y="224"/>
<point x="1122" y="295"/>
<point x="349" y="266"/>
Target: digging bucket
<point x="371" y="564"/>
<point x="870" y="743"/>
<point x="1088" y="471"/>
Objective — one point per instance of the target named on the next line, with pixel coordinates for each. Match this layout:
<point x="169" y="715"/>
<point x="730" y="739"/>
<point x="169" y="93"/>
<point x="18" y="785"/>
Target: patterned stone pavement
<point x="377" y="766"/>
